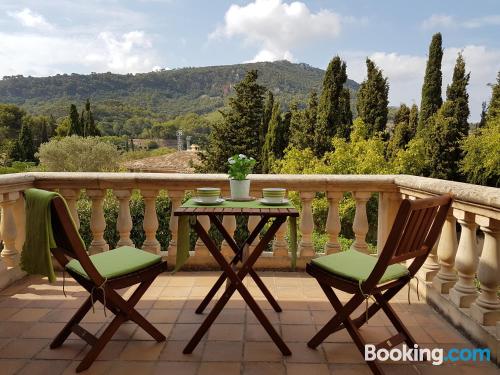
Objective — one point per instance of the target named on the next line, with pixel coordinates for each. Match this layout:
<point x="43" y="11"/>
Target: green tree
<point x="266" y="116"/>
<point x="482" y="120"/>
<point x="457" y="93"/>
<point x="431" y="89"/>
<point x="276" y="138"/>
<point x="75" y="123"/>
<point x="413" y="119"/>
<point x="11" y="120"/>
<point x="331" y="107"/>
<point x="481" y="163"/>
<point x="238" y="131"/>
<point x="402" y="133"/>
<point x="372" y="99"/>
<point x="78" y="154"/>
<point x="494" y="106"/>
<point x="24" y="149"/>
<point x="402" y="115"/>
<point x="303" y="122"/>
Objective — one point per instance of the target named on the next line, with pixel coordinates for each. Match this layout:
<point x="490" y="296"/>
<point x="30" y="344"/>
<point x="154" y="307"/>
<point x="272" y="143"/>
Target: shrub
<point x="78" y="154"/>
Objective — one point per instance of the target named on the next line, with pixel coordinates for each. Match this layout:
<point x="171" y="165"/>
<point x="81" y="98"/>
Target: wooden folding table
<point x="276" y="215"/>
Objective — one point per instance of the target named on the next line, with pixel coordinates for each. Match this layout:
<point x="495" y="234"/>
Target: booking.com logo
<point x="417" y="354"/>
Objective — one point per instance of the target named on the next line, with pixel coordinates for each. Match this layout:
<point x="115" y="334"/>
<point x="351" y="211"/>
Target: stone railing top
<point x="466" y="193"/>
<point x="487" y="197"/>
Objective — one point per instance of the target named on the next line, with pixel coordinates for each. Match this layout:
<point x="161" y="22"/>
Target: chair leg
<point x="338" y="319"/>
<point x="108" y="333"/>
<point x="66" y="331"/>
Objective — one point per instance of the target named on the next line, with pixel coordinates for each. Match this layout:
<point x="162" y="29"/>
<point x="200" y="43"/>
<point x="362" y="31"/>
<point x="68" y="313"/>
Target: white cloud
<point x="277" y="27"/>
<point x="437" y="21"/>
<point x="41" y="55"/>
<point x="29" y="18"/>
<point x="406" y="73"/>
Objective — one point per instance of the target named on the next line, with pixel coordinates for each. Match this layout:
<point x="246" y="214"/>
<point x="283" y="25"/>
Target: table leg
<point x="237" y="284"/>
<point x="249" y="240"/>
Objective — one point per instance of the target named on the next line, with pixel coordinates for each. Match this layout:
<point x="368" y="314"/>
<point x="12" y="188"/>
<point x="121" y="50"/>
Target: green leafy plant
<point x="240" y="166"/>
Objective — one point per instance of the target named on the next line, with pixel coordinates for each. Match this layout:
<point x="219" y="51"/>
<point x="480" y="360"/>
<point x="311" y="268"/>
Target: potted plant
<point x="240" y="166"/>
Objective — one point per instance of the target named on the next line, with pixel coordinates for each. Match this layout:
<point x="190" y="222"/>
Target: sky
<point x="42" y="38"/>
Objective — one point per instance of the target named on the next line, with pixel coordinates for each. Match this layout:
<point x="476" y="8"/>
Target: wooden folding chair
<point x="416" y="228"/>
<point x="102" y="275"/>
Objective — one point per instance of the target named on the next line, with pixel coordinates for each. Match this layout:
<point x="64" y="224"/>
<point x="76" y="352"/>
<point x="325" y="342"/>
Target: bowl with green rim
<point x="208" y="194"/>
<point x="274" y="195"/>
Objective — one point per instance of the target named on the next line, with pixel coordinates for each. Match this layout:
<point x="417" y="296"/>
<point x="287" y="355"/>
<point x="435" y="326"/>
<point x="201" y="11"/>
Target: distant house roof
<point x="176" y="162"/>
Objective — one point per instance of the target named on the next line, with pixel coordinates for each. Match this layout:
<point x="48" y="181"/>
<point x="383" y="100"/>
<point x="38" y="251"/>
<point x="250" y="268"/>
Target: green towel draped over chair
<point x="36" y="257"/>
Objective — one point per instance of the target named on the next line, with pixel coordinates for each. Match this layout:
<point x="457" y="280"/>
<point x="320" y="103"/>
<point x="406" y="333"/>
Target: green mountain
<point x="158" y="95"/>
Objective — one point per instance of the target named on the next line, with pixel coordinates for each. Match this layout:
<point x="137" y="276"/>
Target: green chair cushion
<point x="357" y="266"/>
<point x="118" y="262"/>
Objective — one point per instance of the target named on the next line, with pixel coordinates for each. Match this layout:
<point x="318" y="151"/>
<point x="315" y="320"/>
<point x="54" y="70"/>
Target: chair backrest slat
<point x="68" y="240"/>
<point x="416" y="228"/>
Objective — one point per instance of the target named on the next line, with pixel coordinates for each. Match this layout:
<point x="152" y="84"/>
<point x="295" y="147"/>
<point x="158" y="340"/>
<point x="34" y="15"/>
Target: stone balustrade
<point x="461" y="276"/>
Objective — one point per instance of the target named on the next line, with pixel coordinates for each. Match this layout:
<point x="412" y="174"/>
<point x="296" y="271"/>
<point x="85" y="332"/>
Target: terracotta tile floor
<point x="32" y="312"/>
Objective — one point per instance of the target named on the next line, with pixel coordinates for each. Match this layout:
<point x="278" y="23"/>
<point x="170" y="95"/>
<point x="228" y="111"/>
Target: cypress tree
<point x="44" y="135"/>
<point x="457" y="93"/>
<point x="344" y="130"/>
<point x="74" y="126"/>
<point x="431" y="88"/>
<point x="494" y="106"/>
<point x="266" y="116"/>
<point x="24" y="149"/>
<point x="303" y="123"/>
<point x="484" y="111"/>
<point x="331" y="107"/>
<point x="448" y="127"/>
<point x="402" y="115"/>
<point x="413" y="119"/>
<point x="372" y="99"/>
<point x="239" y="130"/>
<point x="271" y="145"/>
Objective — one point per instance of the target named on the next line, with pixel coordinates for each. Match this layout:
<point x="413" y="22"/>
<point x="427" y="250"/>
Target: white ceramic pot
<point x="240" y="189"/>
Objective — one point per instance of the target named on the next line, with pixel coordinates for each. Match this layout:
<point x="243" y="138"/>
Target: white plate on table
<point x="203" y="203"/>
<point x="268" y="203"/>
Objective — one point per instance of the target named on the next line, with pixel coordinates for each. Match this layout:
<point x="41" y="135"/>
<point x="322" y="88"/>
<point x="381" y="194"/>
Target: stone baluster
<point x="280" y="245"/>
<point x="124" y="221"/>
<point x="200" y="250"/>
<point x="446" y="251"/>
<point x="20" y="221"/>
<point x="360" y="224"/>
<point x="175" y="199"/>
<point x="486" y="308"/>
<point x="333" y="222"/>
<point x="150" y="224"/>
<point x="229" y="223"/>
<point x="388" y="206"/>
<point x="71" y="196"/>
<point x="306" y="225"/>
<point x="97" y="222"/>
<point x="252" y="223"/>
<point x="465" y="292"/>
<point x="10" y="255"/>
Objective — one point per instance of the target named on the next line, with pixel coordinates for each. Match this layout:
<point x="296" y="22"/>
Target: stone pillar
<point x="150" y="224"/>
<point x="446" y="251"/>
<point x="124" y="221"/>
<point x="306" y="248"/>
<point x="360" y="224"/>
<point x="71" y="196"/>
<point x="280" y="246"/>
<point x="175" y="199"/>
<point x="10" y="255"/>
<point x="200" y="250"/>
<point x="332" y="227"/>
<point x="486" y="308"/>
<point x="229" y="223"/>
<point x="465" y="292"/>
<point x="97" y="222"/>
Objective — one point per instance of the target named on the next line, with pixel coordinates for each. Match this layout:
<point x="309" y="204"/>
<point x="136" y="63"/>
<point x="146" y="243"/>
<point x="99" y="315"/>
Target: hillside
<point x="155" y="95"/>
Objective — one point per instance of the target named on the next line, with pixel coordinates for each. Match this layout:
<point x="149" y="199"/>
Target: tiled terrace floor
<point x="32" y="312"/>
